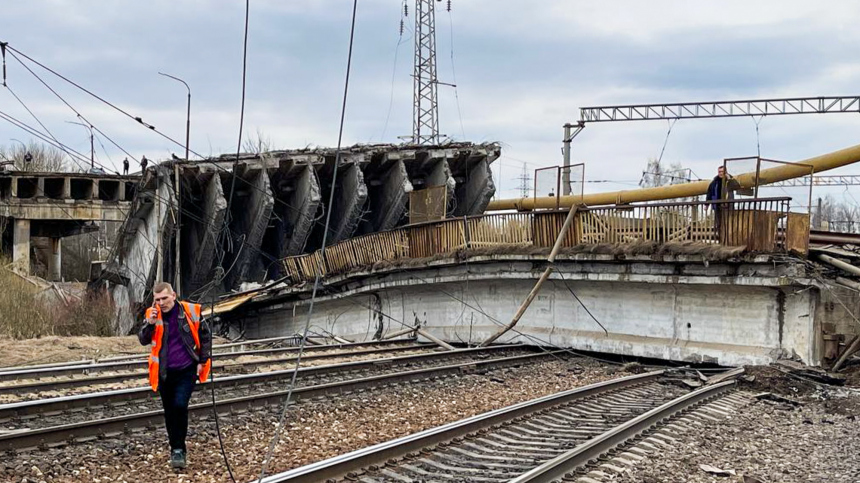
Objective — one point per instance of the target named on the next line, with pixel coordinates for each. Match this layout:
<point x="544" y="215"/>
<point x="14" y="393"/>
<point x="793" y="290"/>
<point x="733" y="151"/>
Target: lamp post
<point x="177" y="259"/>
<point x="188" y="111"/>
<point x="92" y="146"/>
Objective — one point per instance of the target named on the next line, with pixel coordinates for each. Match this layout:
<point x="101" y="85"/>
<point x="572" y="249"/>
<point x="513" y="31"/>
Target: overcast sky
<point x="522" y="68"/>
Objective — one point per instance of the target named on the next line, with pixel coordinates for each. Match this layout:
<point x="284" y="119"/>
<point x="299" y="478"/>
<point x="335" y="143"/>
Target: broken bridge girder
<point x="278" y="199"/>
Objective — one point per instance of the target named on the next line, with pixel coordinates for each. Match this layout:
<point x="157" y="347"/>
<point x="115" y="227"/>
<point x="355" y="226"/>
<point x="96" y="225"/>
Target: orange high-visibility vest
<point x="192" y="314"/>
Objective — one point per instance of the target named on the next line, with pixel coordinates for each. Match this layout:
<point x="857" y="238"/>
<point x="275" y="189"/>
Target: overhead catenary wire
<point x="39" y="121"/>
<point x="225" y="228"/>
<point x="454" y="70"/>
<point x="400" y="41"/>
<point x="282" y="418"/>
<point x="63" y="100"/>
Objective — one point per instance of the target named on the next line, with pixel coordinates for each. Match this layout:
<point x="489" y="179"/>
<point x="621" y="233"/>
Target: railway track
<point x="76" y="383"/>
<point x="542" y="440"/>
<point x="218" y="348"/>
<point x="138" y="363"/>
<point x="58" y="421"/>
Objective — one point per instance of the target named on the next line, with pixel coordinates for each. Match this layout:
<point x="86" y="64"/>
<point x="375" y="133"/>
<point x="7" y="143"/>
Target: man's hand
<point x="154" y="310"/>
<point x="199" y="370"/>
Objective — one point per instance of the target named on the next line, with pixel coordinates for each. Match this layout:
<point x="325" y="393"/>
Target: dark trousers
<point x="175" y="393"/>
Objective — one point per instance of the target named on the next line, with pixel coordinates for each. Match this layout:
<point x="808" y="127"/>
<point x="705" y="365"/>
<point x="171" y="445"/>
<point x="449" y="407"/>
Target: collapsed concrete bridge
<point x="278" y="200"/>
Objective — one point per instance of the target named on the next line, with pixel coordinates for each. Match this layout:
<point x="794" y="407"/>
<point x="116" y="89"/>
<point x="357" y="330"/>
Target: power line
<point x="282" y="418"/>
<point x="33" y="115"/>
<point x="138" y="119"/>
<point x="225" y="227"/>
<point x="77" y="113"/>
<point x="454" y="70"/>
<point x="405" y="11"/>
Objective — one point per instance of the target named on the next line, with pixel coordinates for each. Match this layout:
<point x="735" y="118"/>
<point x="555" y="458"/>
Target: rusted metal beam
<point x="747" y="180"/>
<point x="568" y="221"/>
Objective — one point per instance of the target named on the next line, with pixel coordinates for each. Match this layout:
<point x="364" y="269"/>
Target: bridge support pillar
<point x="55" y="260"/>
<point x="21" y="246"/>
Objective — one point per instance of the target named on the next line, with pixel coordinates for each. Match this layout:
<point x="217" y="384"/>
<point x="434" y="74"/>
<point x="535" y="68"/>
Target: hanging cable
<point x="561" y="274"/>
<point x="246" y="183"/>
<point x="225" y="230"/>
<point x="757" y="137"/>
<point x="286" y="404"/>
<point x="63" y="100"/>
<point x="454" y="70"/>
<point x="33" y="115"/>
<point x="394" y="71"/>
<point x="666" y="141"/>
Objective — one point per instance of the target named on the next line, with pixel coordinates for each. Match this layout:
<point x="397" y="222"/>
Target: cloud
<point x="522" y="70"/>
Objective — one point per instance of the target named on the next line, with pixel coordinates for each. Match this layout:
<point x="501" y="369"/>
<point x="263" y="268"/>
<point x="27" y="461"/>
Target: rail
<point x="759" y="225"/>
<point x="117" y="426"/>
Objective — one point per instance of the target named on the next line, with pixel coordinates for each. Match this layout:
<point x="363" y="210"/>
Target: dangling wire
<point x="454" y="71"/>
<point x="394" y="70"/>
<point x="757" y="137"/>
<point x="666" y="141"/>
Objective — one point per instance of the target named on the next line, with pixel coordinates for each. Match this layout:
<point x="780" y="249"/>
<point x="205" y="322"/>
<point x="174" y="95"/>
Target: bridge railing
<point x="760" y="225"/>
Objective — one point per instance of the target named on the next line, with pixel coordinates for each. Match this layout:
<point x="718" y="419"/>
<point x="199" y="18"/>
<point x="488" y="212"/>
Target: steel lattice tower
<point x="425" y="104"/>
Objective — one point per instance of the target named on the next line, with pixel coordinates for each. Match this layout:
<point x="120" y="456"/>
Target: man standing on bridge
<point x="181" y="351"/>
<point x="125" y="167"/>
<point x="719" y="190"/>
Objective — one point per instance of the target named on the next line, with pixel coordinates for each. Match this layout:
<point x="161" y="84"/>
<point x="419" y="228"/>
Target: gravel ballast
<point x="808" y="434"/>
<point x="315" y="430"/>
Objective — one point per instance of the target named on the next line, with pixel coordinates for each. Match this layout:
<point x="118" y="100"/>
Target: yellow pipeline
<point x="746" y="180"/>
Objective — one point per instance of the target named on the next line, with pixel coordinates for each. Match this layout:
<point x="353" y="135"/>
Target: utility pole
<point x="569" y="134"/>
<point x="817" y="217"/>
<point x="425" y="103"/>
<point x="92" y="145"/>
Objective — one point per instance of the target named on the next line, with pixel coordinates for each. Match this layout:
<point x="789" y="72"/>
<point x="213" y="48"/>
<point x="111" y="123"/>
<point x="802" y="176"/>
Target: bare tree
<point x="656" y="174"/>
<point x="257" y="143"/>
<point x="35" y="156"/>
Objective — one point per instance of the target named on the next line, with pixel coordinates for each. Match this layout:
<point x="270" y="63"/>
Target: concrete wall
<point x="200" y="236"/>
<point x="388" y="197"/>
<point x="475" y="190"/>
<point x="250" y="220"/>
<point x="349" y="201"/>
<point x="138" y="255"/>
<point x="299" y="216"/>
<point x="680" y="316"/>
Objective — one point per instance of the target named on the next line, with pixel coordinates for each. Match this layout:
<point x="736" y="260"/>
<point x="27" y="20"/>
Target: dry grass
<point x="50" y="349"/>
<point x="28" y="311"/>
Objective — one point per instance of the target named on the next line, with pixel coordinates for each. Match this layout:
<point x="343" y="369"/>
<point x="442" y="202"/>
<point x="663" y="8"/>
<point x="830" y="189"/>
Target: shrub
<point x="28" y="310"/>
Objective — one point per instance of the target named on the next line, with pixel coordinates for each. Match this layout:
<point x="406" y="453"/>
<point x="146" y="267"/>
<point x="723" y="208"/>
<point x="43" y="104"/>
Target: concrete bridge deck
<point x="736" y="310"/>
<point x="57" y="205"/>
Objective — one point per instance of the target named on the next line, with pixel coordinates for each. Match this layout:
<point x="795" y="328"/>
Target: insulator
<point x="449" y="5"/>
<point x="405" y="9"/>
<point x="401" y="27"/>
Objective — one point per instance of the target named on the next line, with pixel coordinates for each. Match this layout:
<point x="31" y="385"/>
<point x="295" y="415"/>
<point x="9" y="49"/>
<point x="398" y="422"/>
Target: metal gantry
<point x="829" y="180"/>
<point x="704" y="110"/>
<point x="425" y="109"/>
<point x="698" y="110"/>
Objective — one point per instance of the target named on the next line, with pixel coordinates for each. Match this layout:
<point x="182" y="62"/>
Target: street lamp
<point x="92" y="146"/>
<point x="188" y="112"/>
<point x="177" y="263"/>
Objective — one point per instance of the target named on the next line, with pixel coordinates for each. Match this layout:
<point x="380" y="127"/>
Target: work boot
<point x="177" y="458"/>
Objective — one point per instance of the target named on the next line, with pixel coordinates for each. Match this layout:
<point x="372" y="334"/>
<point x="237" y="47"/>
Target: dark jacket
<point x="715" y="189"/>
<point x="205" y="335"/>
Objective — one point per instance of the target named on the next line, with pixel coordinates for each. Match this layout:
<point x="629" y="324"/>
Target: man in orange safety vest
<point x="181" y="354"/>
